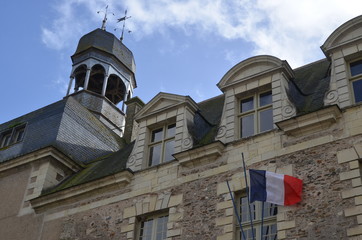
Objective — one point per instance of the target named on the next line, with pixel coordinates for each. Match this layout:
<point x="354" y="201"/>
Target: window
<point x="162" y="144"/>
<point x="269" y="222"/>
<point x="11" y="136"/>
<point x="356" y="80"/>
<point x="256" y="114"/>
<point x="153" y="228"/>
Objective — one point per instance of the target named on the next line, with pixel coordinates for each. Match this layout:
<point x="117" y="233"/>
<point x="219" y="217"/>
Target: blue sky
<point x="180" y="46"/>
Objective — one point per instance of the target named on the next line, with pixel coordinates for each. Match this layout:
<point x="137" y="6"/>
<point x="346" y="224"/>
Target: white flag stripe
<point x="274" y="188"/>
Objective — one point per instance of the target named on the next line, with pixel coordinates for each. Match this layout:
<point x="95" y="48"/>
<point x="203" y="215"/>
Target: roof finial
<point x="124" y="23"/>
<point x="105" y="18"/>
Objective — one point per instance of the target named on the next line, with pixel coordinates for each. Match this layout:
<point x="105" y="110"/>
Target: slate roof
<point x="102" y="167"/>
<point x="309" y="86"/>
<point x="107" y="42"/>
<point x="51" y="125"/>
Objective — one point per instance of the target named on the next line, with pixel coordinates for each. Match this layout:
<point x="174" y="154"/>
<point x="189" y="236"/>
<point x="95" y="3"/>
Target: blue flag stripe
<point x="257" y="185"/>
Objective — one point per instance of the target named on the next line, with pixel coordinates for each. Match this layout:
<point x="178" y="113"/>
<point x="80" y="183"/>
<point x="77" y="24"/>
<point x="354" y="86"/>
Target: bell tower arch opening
<point x="96" y="79"/>
<point x="103" y="75"/>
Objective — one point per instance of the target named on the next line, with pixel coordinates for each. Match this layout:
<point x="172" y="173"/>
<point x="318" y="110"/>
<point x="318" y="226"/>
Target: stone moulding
<point x="43" y="153"/>
<point x="299" y="124"/>
<point x="209" y="152"/>
<point x="119" y="180"/>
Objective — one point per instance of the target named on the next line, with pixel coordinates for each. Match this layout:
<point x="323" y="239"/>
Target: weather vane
<point x="123" y="19"/>
<point x="105" y="18"/>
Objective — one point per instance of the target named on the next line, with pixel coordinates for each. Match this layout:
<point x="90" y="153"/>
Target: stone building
<point x="84" y="168"/>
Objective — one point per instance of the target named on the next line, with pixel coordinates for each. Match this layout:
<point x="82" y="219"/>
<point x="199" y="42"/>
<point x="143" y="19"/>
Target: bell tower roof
<point x="103" y="76"/>
<point x="108" y="43"/>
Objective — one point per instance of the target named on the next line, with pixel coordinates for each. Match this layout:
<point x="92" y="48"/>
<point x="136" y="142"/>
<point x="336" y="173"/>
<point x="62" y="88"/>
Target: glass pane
<point x="244" y="210"/>
<point x="19" y="134"/>
<point x="248" y="234"/>
<point x="270" y="209"/>
<point x="269" y="232"/>
<point x="357" y="90"/>
<point x="157" y="135"/>
<point x="155" y="155"/>
<point x="266" y="120"/>
<point x="146" y="230"/>
<point x="169" y="150"/>
<point x="265" y="99"/>
<point x="171" y="129"/>
<point x="247" y="126"/>
<point x="246" y="105"/>
<point x="356" y="68"/>
<point x="162" y="228"/>
<point x="6" y="139"/>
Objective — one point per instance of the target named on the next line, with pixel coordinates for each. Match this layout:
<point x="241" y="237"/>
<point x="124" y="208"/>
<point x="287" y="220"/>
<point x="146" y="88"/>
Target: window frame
<point x="255" y="112"/>
<point x="156" y="220"/>
<point x="162" y="142"/>
<point x="354" y="78"/>
<point x="246" y="225"/>
<point x="11" y="136"/>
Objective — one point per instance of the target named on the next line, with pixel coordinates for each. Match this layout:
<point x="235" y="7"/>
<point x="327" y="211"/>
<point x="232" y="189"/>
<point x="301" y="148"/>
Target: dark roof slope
<point x="309" y="86"/>
<point x="66" y="125"/>
<point x="103" y="167"/>
<point x="206" y="121"/>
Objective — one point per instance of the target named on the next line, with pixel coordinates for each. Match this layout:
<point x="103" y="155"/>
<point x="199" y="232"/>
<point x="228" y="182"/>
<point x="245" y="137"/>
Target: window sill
<point x="315" y="121"/>
<point x="200" y="155"/>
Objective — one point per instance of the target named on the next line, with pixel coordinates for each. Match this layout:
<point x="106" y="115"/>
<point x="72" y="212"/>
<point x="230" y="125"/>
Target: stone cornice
<point x="209" y="152"/>
<point x="40" y="154"/>
<point x="302" y="123"/>
<point x="120" y="179"/>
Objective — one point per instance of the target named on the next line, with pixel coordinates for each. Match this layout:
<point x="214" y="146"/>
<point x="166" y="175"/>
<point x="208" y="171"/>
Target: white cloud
<point x="291" y="30"/>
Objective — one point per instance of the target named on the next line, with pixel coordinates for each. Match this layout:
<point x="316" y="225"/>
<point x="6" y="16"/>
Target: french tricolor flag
<point x="274" y="188"/>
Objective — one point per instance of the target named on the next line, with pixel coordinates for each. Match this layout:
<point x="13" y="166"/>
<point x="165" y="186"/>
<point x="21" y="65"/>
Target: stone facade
<point x="47" y="194"/>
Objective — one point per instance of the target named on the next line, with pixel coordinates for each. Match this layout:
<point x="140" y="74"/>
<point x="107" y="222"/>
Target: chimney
<point x="134" y="105"/>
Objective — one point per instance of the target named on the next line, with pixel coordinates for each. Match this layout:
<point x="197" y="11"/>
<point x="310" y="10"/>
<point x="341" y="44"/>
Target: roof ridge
<point x="309" y="64"/>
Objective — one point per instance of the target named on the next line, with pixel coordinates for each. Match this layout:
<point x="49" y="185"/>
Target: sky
<point x="180" y="46"/>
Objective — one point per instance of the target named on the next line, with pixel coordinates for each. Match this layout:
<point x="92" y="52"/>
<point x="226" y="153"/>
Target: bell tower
<point x="102" y="77"/>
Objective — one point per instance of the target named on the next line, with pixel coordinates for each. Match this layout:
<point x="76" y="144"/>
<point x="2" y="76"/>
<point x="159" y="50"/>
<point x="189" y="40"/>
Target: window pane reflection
<point x="157" y="135"/>
<point x="247" y="126"/>
<point x="357" y="90"/>
<point x="155" y="155"/>
<point x="356" y="68"/>
<point x="171" y="130"/>
<point x="266" y="120"/>
<point x="265" y="99"/>
<point x="247" y="105"/>
<point x="169" y="150"/>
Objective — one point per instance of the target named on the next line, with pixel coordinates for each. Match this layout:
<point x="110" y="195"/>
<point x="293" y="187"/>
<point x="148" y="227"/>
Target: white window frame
<point x="156" y="221"/>
<point x="162" y="142"/>
<point x="246" y="223"/>
<point x="354" y="78"/>
<point x="255" y="111"/>
<point x="11" y="136"/>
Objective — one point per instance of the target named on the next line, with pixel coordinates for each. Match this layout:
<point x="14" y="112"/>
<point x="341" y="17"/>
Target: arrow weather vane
<point x="123" y="19"/>
<point x="105" y="18"/>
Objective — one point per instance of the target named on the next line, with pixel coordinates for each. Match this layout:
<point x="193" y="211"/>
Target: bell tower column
<point x="86" y="81"/>
<point x="104" y="87"/>
<point x="71" y="78"/>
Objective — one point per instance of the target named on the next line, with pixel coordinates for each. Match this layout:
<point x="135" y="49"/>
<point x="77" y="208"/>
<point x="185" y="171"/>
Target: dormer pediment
<point x="252" y="68"/>
<point x="347" y="33"/>
<point x="163" y="102"/>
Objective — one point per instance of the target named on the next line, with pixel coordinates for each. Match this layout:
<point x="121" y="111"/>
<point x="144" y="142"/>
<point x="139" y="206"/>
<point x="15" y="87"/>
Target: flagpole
<point x="235" y="210"/>
<point x="247" y="195"/>
<point x="262" y="220"/>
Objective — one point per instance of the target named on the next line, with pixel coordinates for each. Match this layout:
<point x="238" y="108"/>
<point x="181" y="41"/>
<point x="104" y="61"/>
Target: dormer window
<point x="256" y="114"/>
<point x="356" y="80"/>
<point x="12" y="136"/>
<point x="162" y="145"/>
